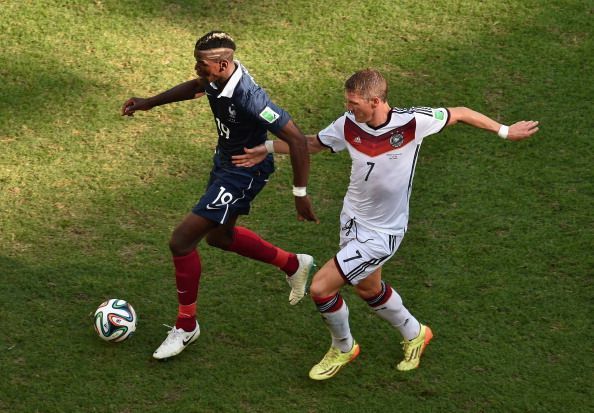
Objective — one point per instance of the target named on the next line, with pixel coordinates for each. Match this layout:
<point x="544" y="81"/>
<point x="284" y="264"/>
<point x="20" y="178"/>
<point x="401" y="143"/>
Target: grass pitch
<point x="498" y="257"/>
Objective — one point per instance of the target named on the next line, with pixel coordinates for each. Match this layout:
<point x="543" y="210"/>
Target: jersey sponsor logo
<point x="269" y="115"/>
<point x="357" y="140"/>
<point x="397" y="139"/>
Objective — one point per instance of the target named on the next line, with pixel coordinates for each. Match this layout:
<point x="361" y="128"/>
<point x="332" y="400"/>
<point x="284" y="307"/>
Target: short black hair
<point x="214" y="40"/>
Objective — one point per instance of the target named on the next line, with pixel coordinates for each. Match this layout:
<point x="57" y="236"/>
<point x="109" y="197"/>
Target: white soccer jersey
<point x="384" y="160"/>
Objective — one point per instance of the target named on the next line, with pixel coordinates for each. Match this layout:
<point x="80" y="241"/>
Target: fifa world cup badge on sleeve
<point x="269" y="115"/>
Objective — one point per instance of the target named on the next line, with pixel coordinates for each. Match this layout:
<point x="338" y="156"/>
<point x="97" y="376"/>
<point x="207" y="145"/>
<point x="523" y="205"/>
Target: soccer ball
<point x="115" y="320"/>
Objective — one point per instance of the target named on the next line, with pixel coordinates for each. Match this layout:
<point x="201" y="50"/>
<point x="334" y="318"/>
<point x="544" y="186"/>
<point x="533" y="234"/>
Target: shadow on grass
<point x="33" y="94"/>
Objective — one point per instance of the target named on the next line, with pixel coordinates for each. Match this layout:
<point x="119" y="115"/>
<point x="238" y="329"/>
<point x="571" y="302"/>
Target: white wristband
<point x="299" y="191"/>
<point x="269" y="146"/>
<point x="503" y="131"/>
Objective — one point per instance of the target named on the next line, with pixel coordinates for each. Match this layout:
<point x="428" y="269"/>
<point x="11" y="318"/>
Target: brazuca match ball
<point x="115" y="320"/>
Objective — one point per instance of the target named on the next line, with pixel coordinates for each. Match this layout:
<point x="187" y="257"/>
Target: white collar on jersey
<point x="232" y="83"/>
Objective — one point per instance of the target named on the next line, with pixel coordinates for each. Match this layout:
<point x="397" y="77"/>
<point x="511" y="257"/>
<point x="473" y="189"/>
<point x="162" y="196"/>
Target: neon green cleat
<point x="333" y="362"/>
<point x="298" y="281"/>
<point x="413" y="349"/>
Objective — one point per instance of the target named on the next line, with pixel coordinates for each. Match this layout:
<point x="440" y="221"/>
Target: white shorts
<point x="362" y="250"/>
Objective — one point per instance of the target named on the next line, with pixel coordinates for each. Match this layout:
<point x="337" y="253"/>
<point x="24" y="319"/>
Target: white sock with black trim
<point x="388" y="305"/>
<point x="335" y="314"/>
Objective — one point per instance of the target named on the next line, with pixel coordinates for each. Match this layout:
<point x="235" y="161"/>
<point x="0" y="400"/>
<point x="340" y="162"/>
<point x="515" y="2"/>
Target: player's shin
<point x="187" y="279"/>
<point x="388" y="305"/>
<point x="335" y="314"/>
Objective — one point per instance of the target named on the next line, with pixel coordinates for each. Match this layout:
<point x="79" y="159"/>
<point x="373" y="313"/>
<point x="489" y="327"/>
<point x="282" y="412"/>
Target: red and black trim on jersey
<point x="372" y="145"/>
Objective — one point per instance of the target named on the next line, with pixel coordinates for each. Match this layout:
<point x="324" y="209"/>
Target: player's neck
<point x="224" y="78"/>
<point x="380" y="115"/>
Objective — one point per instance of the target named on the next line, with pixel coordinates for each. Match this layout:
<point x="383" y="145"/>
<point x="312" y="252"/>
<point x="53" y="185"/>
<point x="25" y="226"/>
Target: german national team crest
<point x="396" y="139"/>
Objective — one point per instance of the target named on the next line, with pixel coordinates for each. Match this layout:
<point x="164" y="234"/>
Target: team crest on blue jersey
<point x="232" y="113"/>
<point x="396" y="139"/>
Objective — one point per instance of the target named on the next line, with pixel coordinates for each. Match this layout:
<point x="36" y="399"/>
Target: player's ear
<point x="223" y="64"/>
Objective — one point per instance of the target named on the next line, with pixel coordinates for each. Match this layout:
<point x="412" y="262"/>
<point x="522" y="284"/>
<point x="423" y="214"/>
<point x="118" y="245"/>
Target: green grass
<point x="498" y="257"/>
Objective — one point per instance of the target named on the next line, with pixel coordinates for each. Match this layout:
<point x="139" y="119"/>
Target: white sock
<point x="395" y="313"/>
<point x="338" y="324"/>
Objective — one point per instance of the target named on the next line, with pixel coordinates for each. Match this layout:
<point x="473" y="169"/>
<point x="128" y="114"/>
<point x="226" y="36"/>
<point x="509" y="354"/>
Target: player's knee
<point x="368" y="289"/>
<point x="179" y="248"/>
<point x="367" y="293"/>
<point x="317" y="289"/>
<point x="218" y="239"/>
<point x="212" y="241"/>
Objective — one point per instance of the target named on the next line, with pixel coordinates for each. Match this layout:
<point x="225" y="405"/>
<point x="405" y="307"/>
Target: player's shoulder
<point x="246" y="82"/>
<point x="421" y="110"/>
<point x="424" y="113"/>
<point x="400" y="116"/>
<point x="247" y="89"/>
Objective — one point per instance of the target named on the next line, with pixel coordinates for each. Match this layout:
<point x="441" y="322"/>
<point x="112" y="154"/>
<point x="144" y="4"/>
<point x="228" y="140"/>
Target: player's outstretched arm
<point x="184" y="91"/>
<point x="255" y="155"/>
<point x="516" y="132"/>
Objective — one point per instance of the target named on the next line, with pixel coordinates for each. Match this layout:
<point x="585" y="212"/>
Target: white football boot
<point x="176" y="341"/>
<point x="298" y="281"/>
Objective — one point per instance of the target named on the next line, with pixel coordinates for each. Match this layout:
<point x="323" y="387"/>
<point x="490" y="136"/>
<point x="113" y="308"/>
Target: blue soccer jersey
<point x="243" y="114"/>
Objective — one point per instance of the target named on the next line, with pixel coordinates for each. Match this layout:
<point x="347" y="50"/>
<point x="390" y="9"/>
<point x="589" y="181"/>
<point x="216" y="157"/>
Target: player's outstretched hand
<point x="250" y="157"/>
<point x="134" y="104"/>
<point x="305" y="210"/>
<point x="522" y="130"/>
